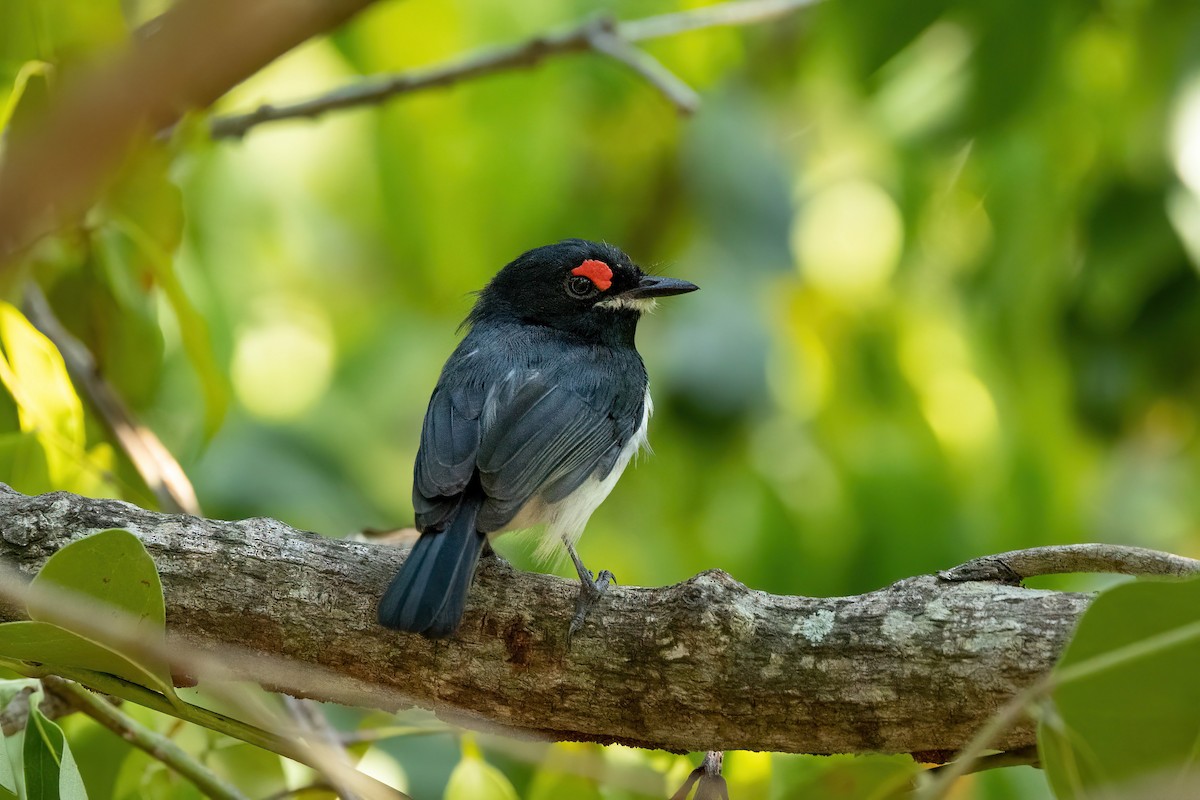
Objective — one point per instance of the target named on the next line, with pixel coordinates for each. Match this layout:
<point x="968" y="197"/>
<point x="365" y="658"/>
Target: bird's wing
<point x="446" y="458"/>
<point x="541" y="438"/>
<point x="523" y="437"/>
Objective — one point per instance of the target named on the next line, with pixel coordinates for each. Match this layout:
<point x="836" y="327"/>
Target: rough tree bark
<point x="707" y="664"/>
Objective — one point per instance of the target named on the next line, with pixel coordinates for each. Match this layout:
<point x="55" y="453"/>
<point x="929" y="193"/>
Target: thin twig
<point x="376" y="89"/>
<point x="313" y="723"/>
<point x="282" y="745"/>
<point x="141" y="737"/>
<point x="601" y="35"/>
<point x="154" y="463"/>
<point x="1016" y="565"/>
<point x="678" y="93"/>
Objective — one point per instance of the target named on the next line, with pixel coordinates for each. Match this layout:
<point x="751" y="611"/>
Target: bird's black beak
<point x="656" y="286"/>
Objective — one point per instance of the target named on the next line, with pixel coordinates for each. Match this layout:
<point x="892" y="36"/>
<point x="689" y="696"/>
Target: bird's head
<point x="578" y="286"/>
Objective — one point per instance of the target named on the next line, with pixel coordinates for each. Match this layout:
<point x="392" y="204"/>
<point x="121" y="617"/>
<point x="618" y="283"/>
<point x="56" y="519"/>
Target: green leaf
<point x="44" y="744"/>
<point x="111" y="566"/>
<point x="1128" y="703"/>
<point x="114" y="575"/>
<point x="118" y="323"/>
<point x="475" y="779"/>
<point x="34" y="373"/>
<point x="49" y="644"/>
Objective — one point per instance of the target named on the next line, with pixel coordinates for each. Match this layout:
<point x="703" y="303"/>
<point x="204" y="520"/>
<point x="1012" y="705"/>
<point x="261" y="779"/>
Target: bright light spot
<point x="282" y="364"/>
<point x="848" y="237"/>
<point x="936" y="359"/>
<point x="1185" y="135"/>
<point x="929" y="345"/>
<point x="959" y="408"/>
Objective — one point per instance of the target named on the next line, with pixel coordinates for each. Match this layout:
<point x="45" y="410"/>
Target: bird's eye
<point x="580" y="287"/>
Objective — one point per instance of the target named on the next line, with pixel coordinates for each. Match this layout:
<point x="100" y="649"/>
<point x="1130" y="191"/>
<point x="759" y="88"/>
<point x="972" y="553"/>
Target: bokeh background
<point x="950" y="304"/>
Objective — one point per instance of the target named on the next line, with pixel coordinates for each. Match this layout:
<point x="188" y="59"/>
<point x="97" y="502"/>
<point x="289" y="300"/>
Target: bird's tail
<point x="429" y="593"/>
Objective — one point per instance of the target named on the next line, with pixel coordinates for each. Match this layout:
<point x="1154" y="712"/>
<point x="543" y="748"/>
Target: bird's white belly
<point x="566" y="518"/>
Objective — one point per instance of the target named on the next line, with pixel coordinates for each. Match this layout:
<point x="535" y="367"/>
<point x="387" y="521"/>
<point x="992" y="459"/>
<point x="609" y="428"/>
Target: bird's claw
<point x="590" y="592"/>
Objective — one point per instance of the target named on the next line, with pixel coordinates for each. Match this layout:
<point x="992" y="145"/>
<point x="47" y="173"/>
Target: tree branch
<point x="703" y="665"/>
<point x="600" y="35"/>
<point x="196" y="51"/>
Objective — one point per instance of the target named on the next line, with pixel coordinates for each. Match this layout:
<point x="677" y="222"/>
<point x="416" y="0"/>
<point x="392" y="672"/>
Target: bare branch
<point x="1016" y="565"/>
<point x="601" y="35"/>
<point x="376" y="89"/>
<point x="678" y="93"/>
<point x="705" y="664"/>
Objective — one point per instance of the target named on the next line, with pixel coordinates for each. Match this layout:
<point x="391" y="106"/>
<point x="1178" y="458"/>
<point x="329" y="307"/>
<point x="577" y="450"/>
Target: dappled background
<point x="948" y="257"/>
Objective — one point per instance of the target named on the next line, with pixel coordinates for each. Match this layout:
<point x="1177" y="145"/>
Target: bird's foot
<point x="590" y="592"/>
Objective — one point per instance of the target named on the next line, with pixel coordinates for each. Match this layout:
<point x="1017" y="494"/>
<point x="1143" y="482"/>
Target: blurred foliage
<point x="950" y="306"/>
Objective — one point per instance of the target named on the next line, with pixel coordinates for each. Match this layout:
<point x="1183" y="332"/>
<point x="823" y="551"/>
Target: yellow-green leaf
<point x="475" y="779"/>
<point x="34" y="373"/>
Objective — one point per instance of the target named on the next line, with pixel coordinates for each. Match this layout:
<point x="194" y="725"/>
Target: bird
<point x="534" y="417"/>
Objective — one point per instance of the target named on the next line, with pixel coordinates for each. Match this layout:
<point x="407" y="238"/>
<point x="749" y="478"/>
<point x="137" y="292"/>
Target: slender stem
<point x="110" y="684"/>
<point x="141" y="737"/>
